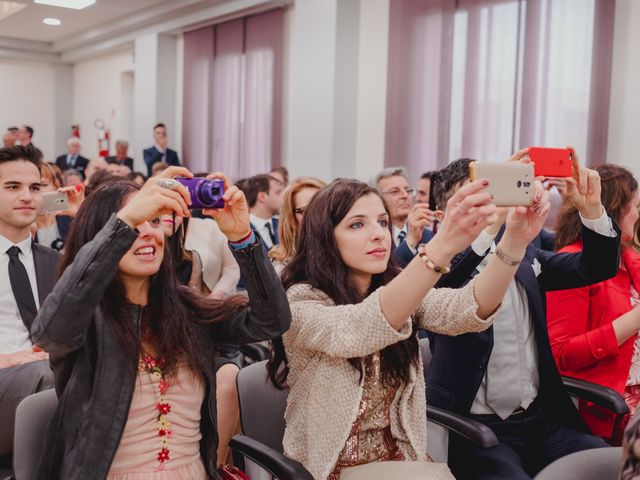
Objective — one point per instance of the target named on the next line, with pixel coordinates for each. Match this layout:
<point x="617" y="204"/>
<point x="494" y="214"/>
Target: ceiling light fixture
<point x="75" y="4"/>
<point x="52" y="21"/>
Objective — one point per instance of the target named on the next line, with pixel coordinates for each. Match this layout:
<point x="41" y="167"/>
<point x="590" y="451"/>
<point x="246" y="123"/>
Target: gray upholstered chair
<point x="594" y="464"/>
<point x="32" y="417"/>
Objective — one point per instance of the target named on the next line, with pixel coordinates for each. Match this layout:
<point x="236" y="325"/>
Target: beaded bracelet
<point x="430" y="263"/>
<point x="245" y="242"/>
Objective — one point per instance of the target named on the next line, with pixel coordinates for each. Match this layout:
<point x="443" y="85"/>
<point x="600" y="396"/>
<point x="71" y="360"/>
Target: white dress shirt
<point x="516" y="307"/>
<point x="260" y="225"/>
<point x="14" y="336"/>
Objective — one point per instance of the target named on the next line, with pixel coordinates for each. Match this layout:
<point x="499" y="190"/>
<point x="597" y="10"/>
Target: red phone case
<point x="551" y="162"/>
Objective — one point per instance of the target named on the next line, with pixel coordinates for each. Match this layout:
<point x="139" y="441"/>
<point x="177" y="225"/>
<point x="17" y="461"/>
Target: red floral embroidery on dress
<point x="155" y="368"/>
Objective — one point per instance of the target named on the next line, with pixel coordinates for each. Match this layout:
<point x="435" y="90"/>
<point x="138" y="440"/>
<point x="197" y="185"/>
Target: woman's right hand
<point x="154" y="200"/>
<point x="469" y="211"/>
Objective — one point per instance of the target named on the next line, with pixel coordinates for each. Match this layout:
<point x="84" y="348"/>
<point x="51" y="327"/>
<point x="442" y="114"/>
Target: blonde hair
<point x="52" y="173"/>
<point x="288" y="225"/>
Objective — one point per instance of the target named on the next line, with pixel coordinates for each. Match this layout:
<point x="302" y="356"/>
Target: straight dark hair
<point x="318" y="262"/>
<point x="173" y="317"/>
<point x="20" y="152"/>
<point x="618" y="185"/>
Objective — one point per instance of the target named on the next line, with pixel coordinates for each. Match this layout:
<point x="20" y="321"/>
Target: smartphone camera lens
<point x="519" y="184"/>
<point x="527" y="184"/>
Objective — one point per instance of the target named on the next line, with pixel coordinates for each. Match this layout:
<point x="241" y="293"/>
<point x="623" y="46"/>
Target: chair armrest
<point x="477" y="433"/>
<point x="274" y="462"/>
<point x="255" y="351"/>
<point x="600" y="395"/>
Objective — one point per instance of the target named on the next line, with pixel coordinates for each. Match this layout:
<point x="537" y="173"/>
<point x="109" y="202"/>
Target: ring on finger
<point x="169" y="183"/>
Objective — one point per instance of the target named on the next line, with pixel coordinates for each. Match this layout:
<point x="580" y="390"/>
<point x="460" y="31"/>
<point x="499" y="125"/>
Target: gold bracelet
<point x="430" y="263"/>
<point x="512" y="262"/>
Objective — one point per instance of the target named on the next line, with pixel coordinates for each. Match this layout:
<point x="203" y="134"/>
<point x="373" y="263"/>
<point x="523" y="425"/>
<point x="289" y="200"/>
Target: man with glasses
<point x="410" y="222"/>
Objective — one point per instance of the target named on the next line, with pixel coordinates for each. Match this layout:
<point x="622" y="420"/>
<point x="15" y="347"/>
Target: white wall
<point x="98" y="93"/>
<point x="622" y="144"/>
<point x="27" y="97"/>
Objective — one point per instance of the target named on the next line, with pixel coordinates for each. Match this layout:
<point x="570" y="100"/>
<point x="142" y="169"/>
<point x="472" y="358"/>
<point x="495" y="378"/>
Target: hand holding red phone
<point x="583" y="189"/>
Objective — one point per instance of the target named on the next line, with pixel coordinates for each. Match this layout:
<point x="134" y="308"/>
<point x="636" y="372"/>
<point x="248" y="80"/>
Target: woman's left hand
<point x="525" y="223"/>
<point x="233" y="219"/>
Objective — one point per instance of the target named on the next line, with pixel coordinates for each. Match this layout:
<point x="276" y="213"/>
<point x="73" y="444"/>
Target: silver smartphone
<point x="54" y="201"/>
<point x="510" y="183"/>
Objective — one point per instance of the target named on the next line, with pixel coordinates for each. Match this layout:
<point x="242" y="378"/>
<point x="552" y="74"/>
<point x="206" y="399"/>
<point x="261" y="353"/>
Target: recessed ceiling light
<point x="75" y="4"/>
<point x="52" y="21"/>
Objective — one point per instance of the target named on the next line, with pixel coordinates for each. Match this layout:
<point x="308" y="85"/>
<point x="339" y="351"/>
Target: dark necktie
<point x="21" y="287"/>
<point x="72" y="161"/>
<point x="271" y="234"/>
<point x="401" y="236"/>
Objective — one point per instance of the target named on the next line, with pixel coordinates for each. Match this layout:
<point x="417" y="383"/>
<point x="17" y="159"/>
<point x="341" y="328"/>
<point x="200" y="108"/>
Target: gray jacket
<point x="94" y="379"/>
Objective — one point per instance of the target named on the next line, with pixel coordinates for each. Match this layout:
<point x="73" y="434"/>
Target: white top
<point x="260" y="225"/>
<point x="220" y="270"/>
<point x="14" y="336"/>
<point x="47" y="235"/>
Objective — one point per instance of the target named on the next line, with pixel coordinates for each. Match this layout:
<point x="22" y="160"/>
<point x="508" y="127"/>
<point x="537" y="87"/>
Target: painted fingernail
<point x="485" y="182"/>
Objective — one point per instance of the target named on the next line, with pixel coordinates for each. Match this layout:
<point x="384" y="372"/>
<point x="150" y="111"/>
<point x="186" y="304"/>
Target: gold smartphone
<point x="510" y="183"/>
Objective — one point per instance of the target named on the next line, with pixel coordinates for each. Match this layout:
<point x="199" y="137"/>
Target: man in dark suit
<point x="159" y="152"/>
<point x="410" y="222"/>
<point x="506" y="377"/>
<point x="29" y="273"/>
<point x="73" y="159"/>
<point x="264" y="197"/>
<point x="121" y="157"/>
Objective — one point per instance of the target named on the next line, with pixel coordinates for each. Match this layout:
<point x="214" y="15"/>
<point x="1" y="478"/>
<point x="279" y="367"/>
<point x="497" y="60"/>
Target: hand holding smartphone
<point x="510" y="183"/>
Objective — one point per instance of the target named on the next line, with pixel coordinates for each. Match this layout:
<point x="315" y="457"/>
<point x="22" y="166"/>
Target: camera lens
<point x="519" y="184"/>
<point x="527" y="184"/>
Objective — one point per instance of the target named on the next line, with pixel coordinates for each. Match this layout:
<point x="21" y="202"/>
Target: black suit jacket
<point x="128" y="161"/>
<point x="153" y="155"/>
<point x="45" y="261"/>
<point x="81" y="163"/>
<point x="459" y="363"/>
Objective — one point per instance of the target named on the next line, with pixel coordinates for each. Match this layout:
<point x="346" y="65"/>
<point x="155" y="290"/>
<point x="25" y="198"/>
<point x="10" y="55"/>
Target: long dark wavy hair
<point x="318" y="262"/>
<point x="618" y="186"/>
<point x="173" y="318"/>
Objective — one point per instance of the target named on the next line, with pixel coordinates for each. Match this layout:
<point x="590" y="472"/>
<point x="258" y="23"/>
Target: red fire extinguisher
<point x="103" y="138"/>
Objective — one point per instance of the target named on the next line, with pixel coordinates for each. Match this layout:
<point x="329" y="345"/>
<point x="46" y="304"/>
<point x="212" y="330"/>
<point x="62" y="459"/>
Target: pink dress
<point x="136" y="457"/>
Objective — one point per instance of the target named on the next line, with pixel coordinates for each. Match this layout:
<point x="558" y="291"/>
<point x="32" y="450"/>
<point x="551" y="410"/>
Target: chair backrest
<point x="32" y="417"/>
<point x="262" y="406"/>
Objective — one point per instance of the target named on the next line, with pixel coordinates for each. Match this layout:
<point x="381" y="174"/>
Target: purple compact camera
<point x="205" y="192"/>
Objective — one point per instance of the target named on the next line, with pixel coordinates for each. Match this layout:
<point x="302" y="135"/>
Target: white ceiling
<point x="27" y="24"/>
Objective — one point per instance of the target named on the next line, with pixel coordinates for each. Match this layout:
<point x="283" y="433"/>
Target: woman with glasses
<point x="294" y="202"/>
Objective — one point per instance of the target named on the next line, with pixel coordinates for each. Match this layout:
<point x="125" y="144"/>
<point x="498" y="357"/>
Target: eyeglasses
<point x="396" y="192"/>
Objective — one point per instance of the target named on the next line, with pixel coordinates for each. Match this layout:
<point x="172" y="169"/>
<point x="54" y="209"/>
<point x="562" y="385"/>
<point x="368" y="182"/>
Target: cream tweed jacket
<point x="325" y="390"/>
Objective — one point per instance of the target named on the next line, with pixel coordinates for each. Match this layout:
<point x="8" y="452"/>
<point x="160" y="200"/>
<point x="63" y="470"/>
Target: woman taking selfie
<point x="132" y="350"/>
<point x="356" y="407"/>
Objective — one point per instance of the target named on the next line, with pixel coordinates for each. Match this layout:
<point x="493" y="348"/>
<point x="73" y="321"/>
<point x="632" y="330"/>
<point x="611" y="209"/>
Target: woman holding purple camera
<point x="132" y="349"/>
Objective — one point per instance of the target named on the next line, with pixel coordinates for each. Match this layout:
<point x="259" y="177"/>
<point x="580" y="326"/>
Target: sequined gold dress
<point x="370" y="439"/>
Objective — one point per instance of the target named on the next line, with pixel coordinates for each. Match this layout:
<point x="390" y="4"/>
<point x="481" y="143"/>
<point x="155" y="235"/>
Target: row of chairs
<point x="259" y="449"/>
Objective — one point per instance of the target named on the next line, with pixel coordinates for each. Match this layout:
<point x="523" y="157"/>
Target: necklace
<point x="155" y="368"/>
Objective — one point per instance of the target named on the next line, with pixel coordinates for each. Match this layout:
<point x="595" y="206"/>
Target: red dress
<point x="582" y="338"/>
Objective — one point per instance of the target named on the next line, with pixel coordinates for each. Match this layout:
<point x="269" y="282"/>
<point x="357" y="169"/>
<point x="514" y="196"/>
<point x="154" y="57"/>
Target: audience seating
<point x="32" y="417"/>
<point x="262" y="417"/>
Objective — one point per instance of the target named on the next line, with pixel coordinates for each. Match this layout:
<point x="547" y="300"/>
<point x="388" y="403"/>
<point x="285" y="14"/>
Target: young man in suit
<point x="264" y="197"/>
<point x="410" y="222"/>
<point x="506" y="377"/>
<point x="29" y="273"/>
<point x="159" y="152"/>
<point x="121" y="157"/>
<point x="73" y="159"/>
